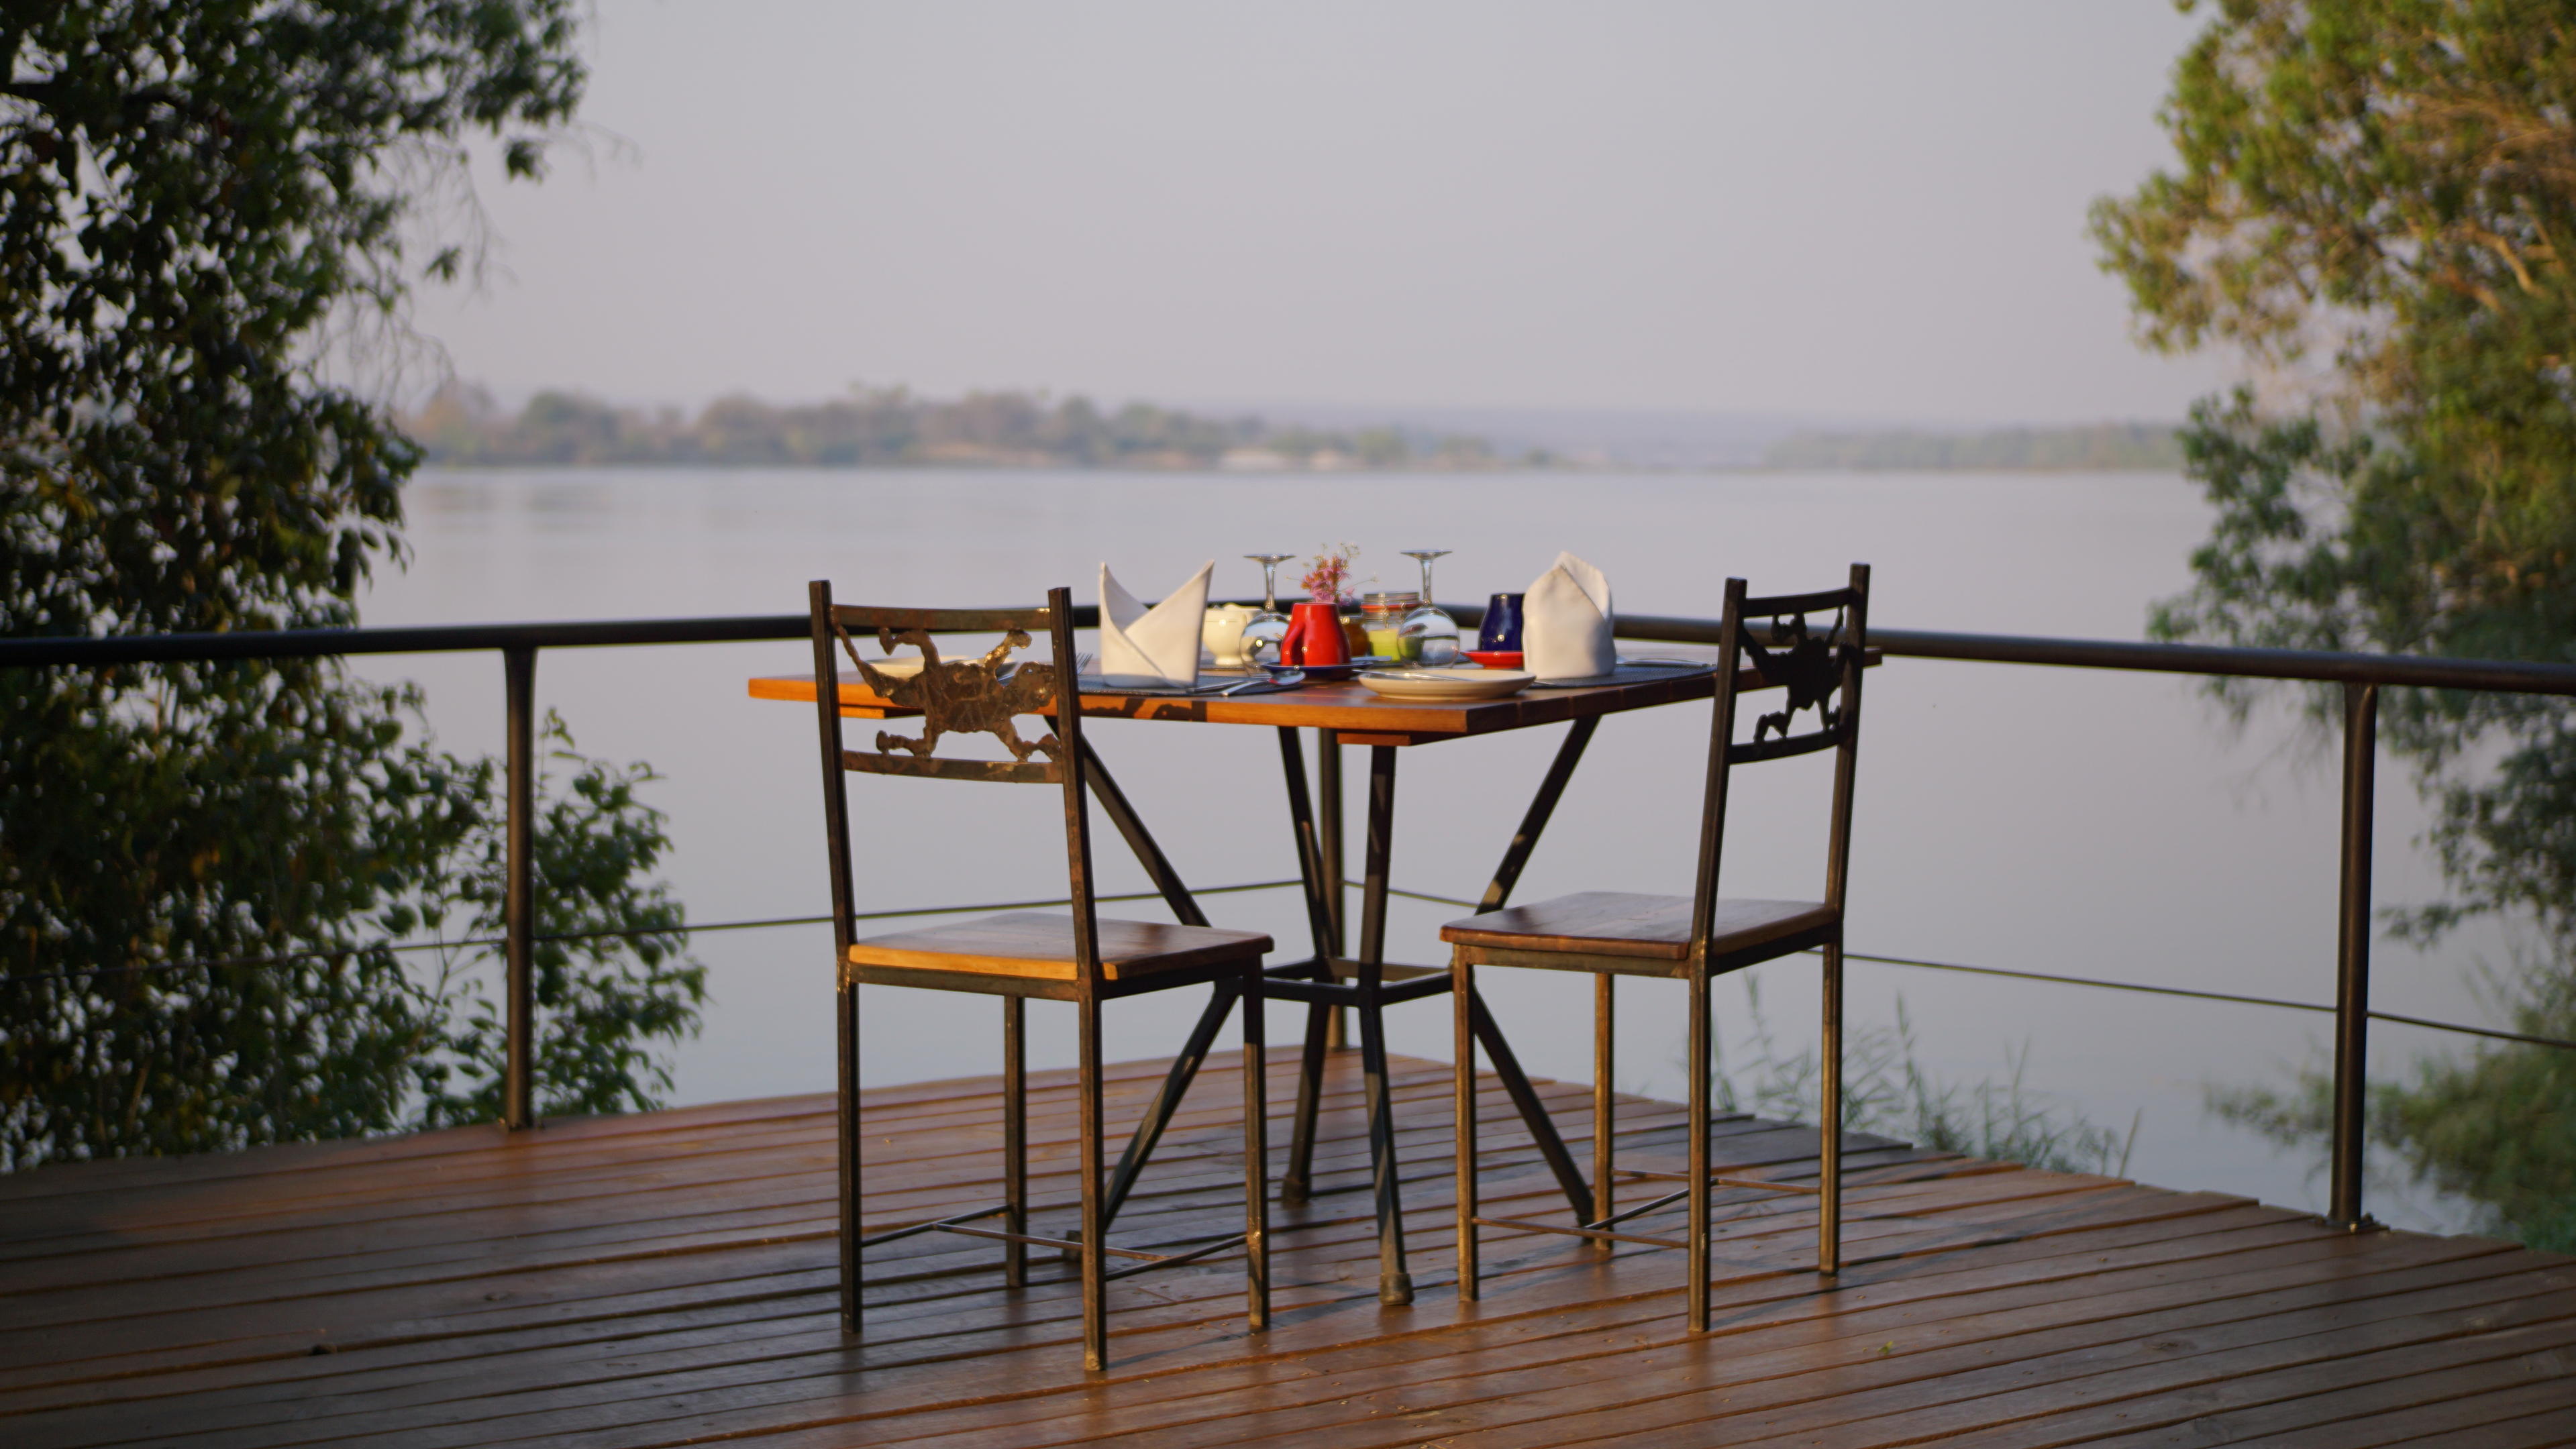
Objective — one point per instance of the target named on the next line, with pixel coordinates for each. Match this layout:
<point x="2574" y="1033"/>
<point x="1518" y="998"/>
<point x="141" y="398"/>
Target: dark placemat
<point x="1627" y="674"/>
<point x="1232" y="687"/>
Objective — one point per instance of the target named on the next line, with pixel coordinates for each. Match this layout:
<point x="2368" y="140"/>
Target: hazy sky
<point x="1828" y="207"/>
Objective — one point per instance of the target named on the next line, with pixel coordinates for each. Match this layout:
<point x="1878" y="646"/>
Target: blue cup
<point x="1501" y="631"/>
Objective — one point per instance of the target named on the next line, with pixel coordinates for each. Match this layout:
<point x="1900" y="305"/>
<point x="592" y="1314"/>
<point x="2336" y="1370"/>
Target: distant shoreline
<point x="1588" y="469"/>
<point x="881" y="428"/>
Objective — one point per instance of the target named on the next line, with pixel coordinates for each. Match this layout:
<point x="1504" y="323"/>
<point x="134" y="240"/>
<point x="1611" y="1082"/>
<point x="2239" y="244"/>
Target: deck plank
<point x="668" y="1278"/>
<point x="1853" y="1385"/>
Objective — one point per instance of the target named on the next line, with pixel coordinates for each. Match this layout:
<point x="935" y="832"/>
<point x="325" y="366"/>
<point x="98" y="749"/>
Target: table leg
<point x="1542" y="806"/>
<point x="1328" y="783"/>
<point x="1551" y="1147"/>
<point x="1131" y="826"/>
<point x="1394" y="1284"/>
<point x="1296" y="1184"/>
<point x="1310" y="866"/>
<point x="1176" y="1084"/>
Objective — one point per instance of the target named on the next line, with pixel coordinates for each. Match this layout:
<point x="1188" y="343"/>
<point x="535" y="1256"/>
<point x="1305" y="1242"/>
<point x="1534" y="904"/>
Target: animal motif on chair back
<point x="961" y="696"/>
<point x="1808" y="668"/>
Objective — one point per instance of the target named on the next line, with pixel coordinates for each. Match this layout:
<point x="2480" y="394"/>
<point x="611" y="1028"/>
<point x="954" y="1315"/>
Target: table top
<point x="1361" y="716"/>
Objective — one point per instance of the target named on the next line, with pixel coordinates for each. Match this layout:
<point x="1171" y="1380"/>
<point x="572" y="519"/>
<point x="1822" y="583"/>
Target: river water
<point x="2080" y="822"/>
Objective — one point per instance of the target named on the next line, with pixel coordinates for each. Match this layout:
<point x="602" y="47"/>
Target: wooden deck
<point x="667" y="1279"/>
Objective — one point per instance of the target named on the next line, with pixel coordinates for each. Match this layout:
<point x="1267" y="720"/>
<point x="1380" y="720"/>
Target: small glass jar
<point x="1383" y="616"/>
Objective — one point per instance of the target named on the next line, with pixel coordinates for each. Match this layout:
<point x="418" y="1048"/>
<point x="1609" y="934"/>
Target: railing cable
<point x="2497" y="1033"/>
<point x="683" y="929"/>
<point x="2427" y="1022"/>
<point x="2143" y="988"/>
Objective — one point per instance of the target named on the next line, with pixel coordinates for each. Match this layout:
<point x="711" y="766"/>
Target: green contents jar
<point x="1382" y="616"/>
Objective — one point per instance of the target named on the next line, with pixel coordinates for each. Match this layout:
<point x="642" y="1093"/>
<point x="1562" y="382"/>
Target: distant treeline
<point x="2148" y="446"/>
<point x="889" y="427"/>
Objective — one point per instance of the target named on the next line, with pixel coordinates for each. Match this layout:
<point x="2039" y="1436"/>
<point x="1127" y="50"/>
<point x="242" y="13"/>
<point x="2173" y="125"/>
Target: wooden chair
<point x="1700" y="936"/>
<point x="1075" y="957"/>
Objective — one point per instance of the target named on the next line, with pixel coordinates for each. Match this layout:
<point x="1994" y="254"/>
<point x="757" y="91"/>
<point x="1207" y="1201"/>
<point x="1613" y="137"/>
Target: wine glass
<point x="1261" y="636"/>
<point x="1430" y="625"/>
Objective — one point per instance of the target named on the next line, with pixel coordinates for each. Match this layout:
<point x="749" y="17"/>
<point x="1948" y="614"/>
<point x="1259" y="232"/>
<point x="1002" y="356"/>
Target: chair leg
<point x="846" y="1018"/>
<point x="1699" y="1114"/>
<point x="1829" y="1115"/>
<point x="1256" y="1155"/>
<point x="1095" y="1282"/>
<point x="1015" y="1137"/>
<point x="1462" y="985"/>
<point x="1604" y="1110"/>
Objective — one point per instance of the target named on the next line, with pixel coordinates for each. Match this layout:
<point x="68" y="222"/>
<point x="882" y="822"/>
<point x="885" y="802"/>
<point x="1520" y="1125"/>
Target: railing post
<point x="518" y="1086"/>
<point x="2352" y="973"/>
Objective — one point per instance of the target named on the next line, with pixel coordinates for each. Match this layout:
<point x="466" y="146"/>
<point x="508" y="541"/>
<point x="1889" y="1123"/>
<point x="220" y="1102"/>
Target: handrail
<point x="410" y="639"/>
<point x="2362" y="676"/>
<point x="2319" y="665"/>
<point x="78" y="650"/>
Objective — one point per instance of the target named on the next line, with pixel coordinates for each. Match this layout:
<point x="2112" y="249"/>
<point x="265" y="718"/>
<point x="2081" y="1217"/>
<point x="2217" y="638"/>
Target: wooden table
<point x="1351" y="714"/>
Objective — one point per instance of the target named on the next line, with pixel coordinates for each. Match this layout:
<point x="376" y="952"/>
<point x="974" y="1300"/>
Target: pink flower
<point x="1328" y="575"/>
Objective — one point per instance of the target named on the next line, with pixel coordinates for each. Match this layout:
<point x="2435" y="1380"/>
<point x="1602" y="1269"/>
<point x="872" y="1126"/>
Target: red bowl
<point x="1496" y="658"/>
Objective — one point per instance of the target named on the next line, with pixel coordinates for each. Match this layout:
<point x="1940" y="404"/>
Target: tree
<point x="2376" y="202"/>
<point x="196" y="861"/>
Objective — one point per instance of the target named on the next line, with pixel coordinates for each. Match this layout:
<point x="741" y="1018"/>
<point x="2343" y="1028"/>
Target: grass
<point x="1887" y="1090"/>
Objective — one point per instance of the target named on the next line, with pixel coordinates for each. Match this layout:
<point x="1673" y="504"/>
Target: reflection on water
<point x="570" y="506"/>
<point x="2089" y="823"/>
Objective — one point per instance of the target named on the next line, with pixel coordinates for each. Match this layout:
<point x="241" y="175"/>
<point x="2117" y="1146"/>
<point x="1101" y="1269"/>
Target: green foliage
<point x="2390" y="179"/>
<point x="2493" y="1128"/>
<point x="1887" y="1090"/>
<point x="2376" y="201"/>
<point x="600" y="996"/>
<point x="889" y="427"/>
<point x="192" y="199"/>
<point x="123" y="843"/>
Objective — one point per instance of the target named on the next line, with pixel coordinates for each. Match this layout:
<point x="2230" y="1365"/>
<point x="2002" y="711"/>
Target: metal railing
<point x="2362" y="676"/>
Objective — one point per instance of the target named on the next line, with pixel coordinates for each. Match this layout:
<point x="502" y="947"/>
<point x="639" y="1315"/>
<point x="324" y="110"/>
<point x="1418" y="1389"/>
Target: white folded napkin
<point x="1565" y="623"/>
<point x="1160" y="646"/>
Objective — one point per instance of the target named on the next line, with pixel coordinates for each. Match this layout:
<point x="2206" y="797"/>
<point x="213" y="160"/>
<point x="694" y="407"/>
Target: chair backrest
<point x="985" y="695"/>
<point x="1810" y="647"/>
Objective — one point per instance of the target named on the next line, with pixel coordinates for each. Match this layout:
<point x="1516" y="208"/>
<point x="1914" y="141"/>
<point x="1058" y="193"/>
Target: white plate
<point x="1447" y="684"/>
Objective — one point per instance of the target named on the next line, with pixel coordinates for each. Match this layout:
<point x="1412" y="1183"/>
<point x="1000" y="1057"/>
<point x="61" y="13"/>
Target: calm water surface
<point x="2089" y="823"/>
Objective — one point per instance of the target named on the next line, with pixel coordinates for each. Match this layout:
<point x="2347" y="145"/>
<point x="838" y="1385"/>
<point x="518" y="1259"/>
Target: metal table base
<point x="1319" y="982"/>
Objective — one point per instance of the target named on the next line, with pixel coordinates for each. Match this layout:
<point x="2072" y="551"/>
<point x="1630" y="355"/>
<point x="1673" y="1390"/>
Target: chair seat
<point x="1621" y="923"/>
<point x="1039" y="946"/>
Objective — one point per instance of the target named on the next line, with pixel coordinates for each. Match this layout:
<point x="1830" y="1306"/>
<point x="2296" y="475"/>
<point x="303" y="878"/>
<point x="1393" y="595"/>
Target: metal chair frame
<point x="1070" y="767"/>
<point x="1815" y="672"/>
